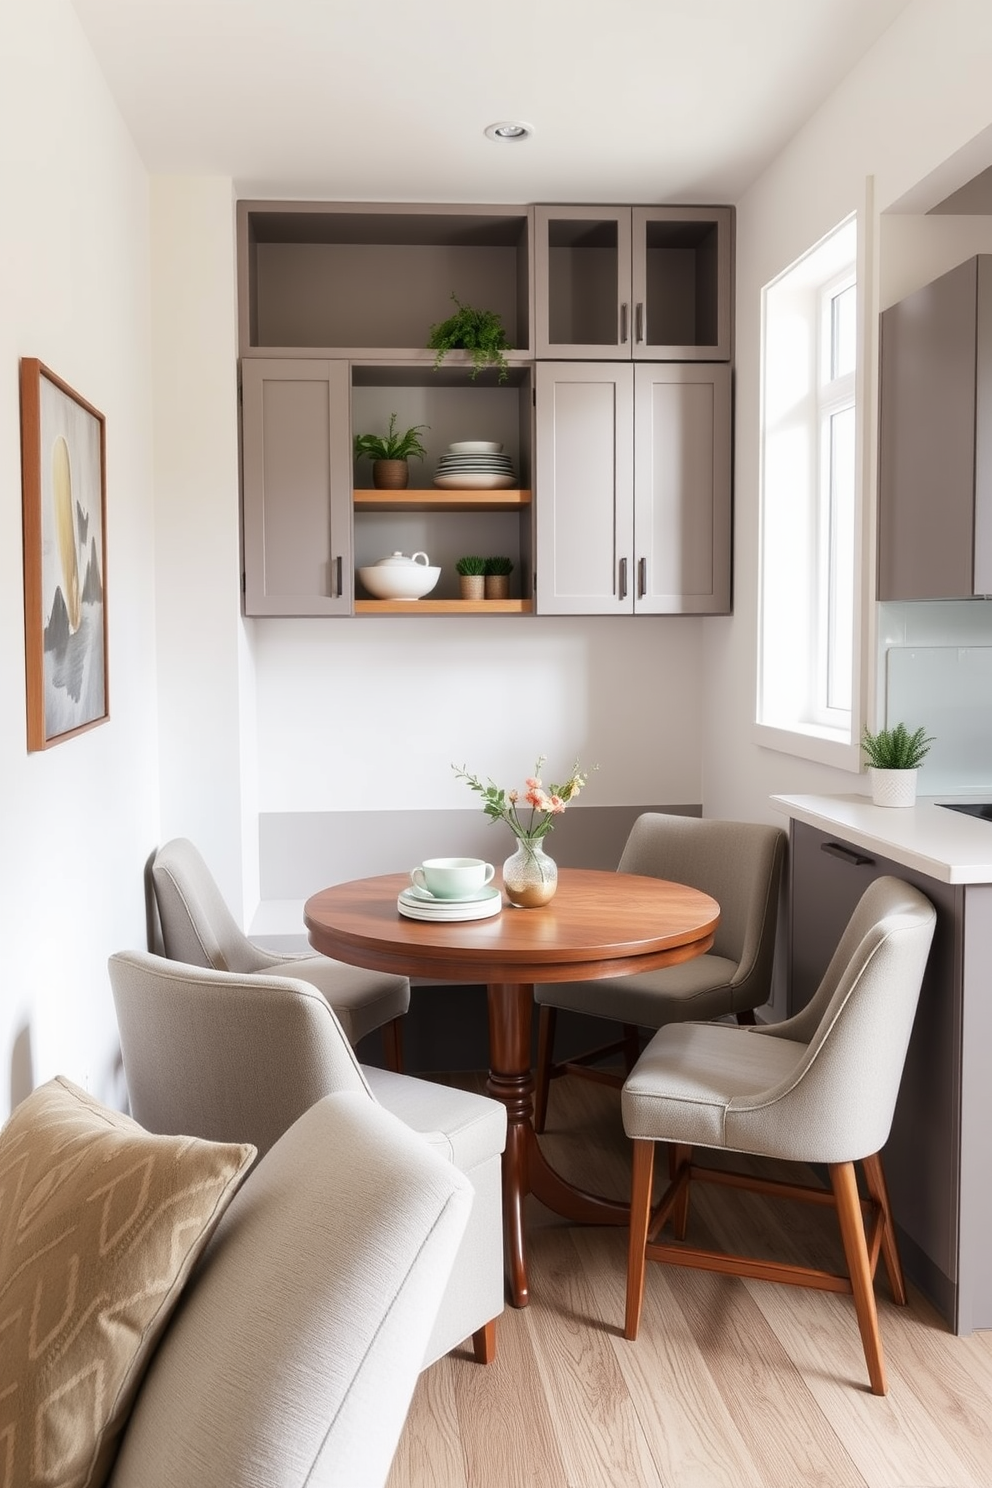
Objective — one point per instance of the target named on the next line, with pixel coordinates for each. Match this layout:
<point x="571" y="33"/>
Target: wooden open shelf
<point x="443" y="607"/>
<point x="436" y="500"/>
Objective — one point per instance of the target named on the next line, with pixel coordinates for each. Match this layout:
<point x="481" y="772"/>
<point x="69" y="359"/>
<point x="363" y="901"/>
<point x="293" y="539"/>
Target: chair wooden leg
<point x="484" y="1342"/>
<point x="852" y="1229"/>
<point x="679" y="1156"/>
<point x="545" y="1053"/>
<point x="640" y="1218"/>
<point x="392" y="1045"/>
<point x="878" y="1189"/>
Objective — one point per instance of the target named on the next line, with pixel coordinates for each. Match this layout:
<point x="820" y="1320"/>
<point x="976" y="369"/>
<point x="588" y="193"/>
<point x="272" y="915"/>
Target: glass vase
<point x="530" y="877"/>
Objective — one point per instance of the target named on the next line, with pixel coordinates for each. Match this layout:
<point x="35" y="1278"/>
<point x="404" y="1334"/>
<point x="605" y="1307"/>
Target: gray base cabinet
<point x="938" y="1159"/>
<point x="633" y="471"/>
<point x="935" y="439"/>
<point x="296" y="480"/>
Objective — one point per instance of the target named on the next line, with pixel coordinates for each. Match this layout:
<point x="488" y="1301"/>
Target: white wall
<point x="78" y="820"/>
<point x="917" y="99"/>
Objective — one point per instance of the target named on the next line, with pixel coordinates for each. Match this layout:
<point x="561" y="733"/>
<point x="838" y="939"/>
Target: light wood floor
<point x="731" y="1384"/>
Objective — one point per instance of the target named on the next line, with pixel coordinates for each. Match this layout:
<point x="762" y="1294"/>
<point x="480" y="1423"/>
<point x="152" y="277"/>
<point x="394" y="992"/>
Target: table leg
<point x="525" y="1168"/>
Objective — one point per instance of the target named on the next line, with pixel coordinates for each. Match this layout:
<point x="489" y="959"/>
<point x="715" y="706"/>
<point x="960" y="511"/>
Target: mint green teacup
<point x="453" y="878"/>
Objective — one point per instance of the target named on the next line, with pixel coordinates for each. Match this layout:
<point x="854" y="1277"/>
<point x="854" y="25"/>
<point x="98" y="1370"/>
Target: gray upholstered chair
<point x="199" y="930"/>
<point x="239" y="1058"/>
<point x="296" y="1346"/>
<point x="819" y="1088"/>
<point x="740" y="865"/>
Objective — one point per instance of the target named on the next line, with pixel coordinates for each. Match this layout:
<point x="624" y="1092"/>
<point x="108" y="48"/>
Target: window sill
<point x="824" y="746"/>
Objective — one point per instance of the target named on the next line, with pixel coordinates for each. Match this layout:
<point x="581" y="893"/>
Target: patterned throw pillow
<point x="100" y="1225"/>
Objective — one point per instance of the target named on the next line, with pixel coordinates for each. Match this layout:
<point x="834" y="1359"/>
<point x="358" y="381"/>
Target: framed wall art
<point x="63" y="480"/>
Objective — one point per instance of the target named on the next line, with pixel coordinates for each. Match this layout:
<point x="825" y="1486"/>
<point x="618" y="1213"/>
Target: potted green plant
<point x="390" y="453"/>
<point x="498" y="571"/>
<point x="472" y="577"/>
<point x="479" y="332"/>
<point x="893" y="756"/>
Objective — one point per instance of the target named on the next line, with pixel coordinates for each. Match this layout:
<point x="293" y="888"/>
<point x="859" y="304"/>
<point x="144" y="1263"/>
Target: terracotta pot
<point x="390" y="475"/>
<point x="497" y="586"/>
<point x="472" y="586"/>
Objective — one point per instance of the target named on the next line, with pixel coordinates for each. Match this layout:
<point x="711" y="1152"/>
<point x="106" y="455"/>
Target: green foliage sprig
<point x="897" y="748"/>
<point x="479" y="332"/>
<point x="544" y="803"/>
<point x="391" y="446"/>
<point x="499" y="566"/>
<point x="471" y="565"/>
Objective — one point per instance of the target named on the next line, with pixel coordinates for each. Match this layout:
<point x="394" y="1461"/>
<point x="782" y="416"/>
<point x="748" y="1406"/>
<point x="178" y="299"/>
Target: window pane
<point x="843" y="332"/>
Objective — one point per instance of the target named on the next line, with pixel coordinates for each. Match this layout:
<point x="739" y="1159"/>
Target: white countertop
<point x="947" y="845"/>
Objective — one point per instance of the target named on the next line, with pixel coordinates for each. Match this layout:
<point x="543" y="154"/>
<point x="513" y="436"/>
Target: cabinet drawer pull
<point x="623" y="323"/>
<point x="642" y="577"/>
<point x="623" y="579"/>
<point x="338" y="578"/>
<point x="639" y="321"/>
<point x="847" y="854"/>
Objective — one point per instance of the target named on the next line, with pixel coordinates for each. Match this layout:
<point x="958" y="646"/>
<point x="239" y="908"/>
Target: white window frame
<point x="797" y="401"/>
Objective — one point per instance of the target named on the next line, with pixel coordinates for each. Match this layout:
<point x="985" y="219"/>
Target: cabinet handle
<point x="623" y="578"/>
<point x="642" y="577"/>
<point x="338" y="578"/>
<point x="847" y="854"/>
<point x="623" y="323"/>
<point x="639" y="321"/>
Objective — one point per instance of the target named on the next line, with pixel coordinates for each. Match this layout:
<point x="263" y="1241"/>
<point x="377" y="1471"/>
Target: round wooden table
<point x="597" y="925"/>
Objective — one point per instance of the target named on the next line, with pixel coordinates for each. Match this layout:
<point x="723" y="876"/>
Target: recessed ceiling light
<point x="509" y="129"/>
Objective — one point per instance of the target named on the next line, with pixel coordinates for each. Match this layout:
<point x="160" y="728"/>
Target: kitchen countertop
<point x="947" y="845"/>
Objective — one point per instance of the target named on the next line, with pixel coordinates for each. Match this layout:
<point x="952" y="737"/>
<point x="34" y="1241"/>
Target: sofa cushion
<point x="100" y="1225"/>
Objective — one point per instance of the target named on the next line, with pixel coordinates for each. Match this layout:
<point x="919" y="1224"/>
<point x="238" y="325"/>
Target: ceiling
<point x="386" y="100"/>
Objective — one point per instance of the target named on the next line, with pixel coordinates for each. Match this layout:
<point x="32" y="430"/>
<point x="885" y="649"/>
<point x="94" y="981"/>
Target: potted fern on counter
<point x="894" y="756"/>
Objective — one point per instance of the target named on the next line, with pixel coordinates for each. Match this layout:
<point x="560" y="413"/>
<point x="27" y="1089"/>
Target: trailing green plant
<point x="471" y="565"/>
<point x="499" y="566"/>
<point x="896" y="748"/>
<point x="391" y="446"/>
<point x="479" y="332"/>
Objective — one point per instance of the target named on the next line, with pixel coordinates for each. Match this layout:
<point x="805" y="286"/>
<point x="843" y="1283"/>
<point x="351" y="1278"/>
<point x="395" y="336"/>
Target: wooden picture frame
<point x="64" y="495"/>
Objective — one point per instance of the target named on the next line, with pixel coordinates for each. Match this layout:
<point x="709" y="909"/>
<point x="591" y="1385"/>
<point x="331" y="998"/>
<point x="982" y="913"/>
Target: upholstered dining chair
<point x="740" y="865"/>
<point x="211" y="1053"/>
<point x="819" y="1088"/>
<point x="199" y="930"/>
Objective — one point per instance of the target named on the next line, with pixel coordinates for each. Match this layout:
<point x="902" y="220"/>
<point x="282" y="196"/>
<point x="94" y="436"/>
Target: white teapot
<point x="399" y="577"/>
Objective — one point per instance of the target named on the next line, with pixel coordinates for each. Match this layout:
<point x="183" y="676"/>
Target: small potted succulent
<point x="498" y="571"/>
<point x="471" y="577"/>
<point x="894" y="756"/>
<point x="390" y="453"/>
<point x="479" y="332"/>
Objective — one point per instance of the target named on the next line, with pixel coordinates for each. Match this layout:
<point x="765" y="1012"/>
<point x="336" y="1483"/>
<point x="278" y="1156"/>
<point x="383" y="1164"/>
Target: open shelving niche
<point x="445" y="524"/>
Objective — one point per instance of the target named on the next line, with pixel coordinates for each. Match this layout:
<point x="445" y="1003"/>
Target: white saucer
<point x="416" y="892"/>
<point x="450" y="911"/>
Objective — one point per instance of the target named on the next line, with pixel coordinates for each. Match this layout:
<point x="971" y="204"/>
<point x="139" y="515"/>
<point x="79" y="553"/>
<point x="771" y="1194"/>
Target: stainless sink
<point x="981" y="809"/>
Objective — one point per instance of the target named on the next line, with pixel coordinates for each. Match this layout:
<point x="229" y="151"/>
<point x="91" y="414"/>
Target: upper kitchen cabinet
<point x="355" y="280"/>
<point x="641" y="283"/>
<point x="935" y="439"/>
<point x="633" y="469"/>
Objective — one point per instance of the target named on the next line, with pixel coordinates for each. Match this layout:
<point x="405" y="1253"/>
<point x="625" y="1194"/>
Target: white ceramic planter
<point x="893" y="787"/>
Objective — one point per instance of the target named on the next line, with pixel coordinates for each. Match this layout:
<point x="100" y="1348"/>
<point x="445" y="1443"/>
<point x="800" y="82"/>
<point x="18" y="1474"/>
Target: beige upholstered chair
<point x="296" y="1347"/>
<point x="240" y="1058"/>
<point x="199" y="930"/>
<point x="819" y="1088"/>
<point x="740" y="865"/>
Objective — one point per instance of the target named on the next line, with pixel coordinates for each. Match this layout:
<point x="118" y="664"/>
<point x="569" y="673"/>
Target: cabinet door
<point x="296" y="485"/>
<point x="582" y="288"/>
<point x="682" y="283"/>
<point x="584" y="489"/>
<point x="682" y="489"/>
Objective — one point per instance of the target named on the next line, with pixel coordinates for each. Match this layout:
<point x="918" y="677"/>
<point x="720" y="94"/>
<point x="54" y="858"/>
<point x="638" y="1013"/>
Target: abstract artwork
<point x="63" y="472"/>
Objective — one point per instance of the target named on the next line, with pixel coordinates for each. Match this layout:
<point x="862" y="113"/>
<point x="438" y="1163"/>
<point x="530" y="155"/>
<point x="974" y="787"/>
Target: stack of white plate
<point x="417" y="904"/>
<point x="475" y="465"/>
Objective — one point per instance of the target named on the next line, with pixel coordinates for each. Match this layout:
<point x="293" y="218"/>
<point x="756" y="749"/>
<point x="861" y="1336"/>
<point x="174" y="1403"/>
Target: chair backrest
<point x="738" y="863"/>
<point x="197" y="926"/>
<point x="208" y="1052"/>
<point x="296" y="1347"/>
<point x="837" y="1103"/>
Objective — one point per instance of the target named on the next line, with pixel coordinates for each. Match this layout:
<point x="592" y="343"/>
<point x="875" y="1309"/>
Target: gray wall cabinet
<point x="633" y="283"/>
<point x="296" y="487"/>
<point x="634" y="489"/>
<point x="935" y="439"/>
<point x="938" y="1159"/>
